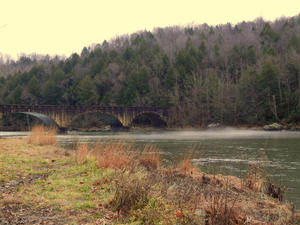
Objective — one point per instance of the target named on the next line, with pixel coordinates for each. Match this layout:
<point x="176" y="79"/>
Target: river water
<point x="225" y="151"/>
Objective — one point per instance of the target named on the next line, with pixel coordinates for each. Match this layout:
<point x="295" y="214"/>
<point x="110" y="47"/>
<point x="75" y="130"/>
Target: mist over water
<point x="226" y="151"/>
<point x="225" y="133"/>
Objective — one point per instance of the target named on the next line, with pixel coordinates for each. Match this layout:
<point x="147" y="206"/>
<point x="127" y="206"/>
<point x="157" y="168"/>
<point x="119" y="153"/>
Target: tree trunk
<point x="275" y="108"/>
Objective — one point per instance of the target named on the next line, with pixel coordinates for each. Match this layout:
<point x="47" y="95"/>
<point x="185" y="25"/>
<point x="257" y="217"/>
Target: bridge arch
<point x="152" y="119"/>
<point x="63" y="115"/>
<point x="45" y="119"/>
<point x="94" y="120"/>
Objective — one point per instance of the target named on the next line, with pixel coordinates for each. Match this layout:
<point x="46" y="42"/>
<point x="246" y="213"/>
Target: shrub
<point x="276" y="192"/>
<point x="131" y="194"/>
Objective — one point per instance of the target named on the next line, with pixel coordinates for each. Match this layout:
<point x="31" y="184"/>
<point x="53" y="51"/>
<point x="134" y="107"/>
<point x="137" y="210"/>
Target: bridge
<point x="64" y="115"/>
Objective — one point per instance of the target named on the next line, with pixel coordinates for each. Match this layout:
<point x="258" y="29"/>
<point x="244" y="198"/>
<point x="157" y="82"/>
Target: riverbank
<point x="48" y="184"/>
<point x="108" y="128"/>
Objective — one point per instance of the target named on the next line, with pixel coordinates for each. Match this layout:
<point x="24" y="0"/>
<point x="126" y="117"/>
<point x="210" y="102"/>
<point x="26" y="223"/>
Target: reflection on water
<point x="227" y="151"/>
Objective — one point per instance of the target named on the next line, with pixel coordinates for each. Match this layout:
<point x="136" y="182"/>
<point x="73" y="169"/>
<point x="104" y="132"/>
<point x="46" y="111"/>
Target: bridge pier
<point x="125" y="117"/>
<point x="61" y="118"/>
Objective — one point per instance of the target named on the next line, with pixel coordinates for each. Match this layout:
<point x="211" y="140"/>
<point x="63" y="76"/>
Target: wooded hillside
<point x="247" y="73"/>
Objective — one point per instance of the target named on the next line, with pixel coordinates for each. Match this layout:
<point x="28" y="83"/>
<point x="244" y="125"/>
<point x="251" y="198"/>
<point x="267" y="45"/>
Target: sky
<point x="62" y="27"/>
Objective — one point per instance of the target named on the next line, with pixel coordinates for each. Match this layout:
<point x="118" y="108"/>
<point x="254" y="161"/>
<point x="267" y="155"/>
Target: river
<point x="225" y="151"/>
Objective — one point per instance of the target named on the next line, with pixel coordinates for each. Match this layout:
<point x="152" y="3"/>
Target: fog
<point x="209" y="134"/>
<point x="225" y="133"/>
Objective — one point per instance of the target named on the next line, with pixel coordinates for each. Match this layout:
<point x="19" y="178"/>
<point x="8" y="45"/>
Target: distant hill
<point x="25" y="63"/>
<point x="248" y="73"/>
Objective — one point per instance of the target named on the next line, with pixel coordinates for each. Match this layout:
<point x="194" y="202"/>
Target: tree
<point x="268" y="89"/>
<point x="34" y="87"/>
<point x="137" y="87"/>
<point x="268" y="32"/>
<point x="15" y="96"/>
<point x="86" y="92"/>
<point x="51" y="93"/>
<point x="84" y="52"/>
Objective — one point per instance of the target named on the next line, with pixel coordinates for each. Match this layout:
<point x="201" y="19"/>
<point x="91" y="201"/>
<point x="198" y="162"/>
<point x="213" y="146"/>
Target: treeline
<point x="243" y="74"/>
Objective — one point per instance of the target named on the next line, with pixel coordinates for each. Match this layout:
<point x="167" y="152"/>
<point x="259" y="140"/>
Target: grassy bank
<point x="109" y="184"/>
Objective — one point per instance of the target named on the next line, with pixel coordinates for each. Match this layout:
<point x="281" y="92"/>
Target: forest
<point x="243" y="74"/>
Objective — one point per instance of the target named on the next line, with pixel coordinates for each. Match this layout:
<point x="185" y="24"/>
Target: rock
<point x="214" y="125"/>
<point x="99" y="129"/>
<point x="172" y="191"/>
<point x="13" y="183"/>
<point x="273" y="126"/>
<point x="294" y="128"/>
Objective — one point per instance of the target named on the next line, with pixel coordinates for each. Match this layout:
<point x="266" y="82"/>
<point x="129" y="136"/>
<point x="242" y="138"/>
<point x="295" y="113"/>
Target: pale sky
<point x="65" y="26"/>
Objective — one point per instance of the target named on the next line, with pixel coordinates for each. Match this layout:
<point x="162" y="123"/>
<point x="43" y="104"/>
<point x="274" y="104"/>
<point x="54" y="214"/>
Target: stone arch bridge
<point x="63" y="115"/>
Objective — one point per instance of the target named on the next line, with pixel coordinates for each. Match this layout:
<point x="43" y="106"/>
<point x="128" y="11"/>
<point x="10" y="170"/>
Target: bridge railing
<point x="12" y="107"/>
<point x="44" y="108"/>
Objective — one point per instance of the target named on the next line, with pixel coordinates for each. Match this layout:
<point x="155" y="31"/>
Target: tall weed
<point x="255" y="179"/>
<point x="82" y="152"/>
<point x="41" y="135"/>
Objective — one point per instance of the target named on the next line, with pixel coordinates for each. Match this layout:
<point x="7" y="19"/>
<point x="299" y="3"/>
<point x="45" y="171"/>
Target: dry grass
<point x="10" y="200"/>
<point x="255" y="179"/>
<point x="186" y="165"/>
<point x="222" y="211"/>
<point x="41" y="135"/>
<point x="112" y="154"/>
<point x="131" y="194"/>
<point x="150" y="158"/>
<point x="82" y="152"/>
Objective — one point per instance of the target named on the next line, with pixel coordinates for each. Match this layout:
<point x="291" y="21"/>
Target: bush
<point x="131" y="194"/>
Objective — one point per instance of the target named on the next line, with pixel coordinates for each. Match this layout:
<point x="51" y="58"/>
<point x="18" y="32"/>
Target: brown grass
<point x="222" y="211"/>
<point x="255" y="179"/>
<point x="186" y="165"/>
<point x="82" y="152"/>
<point x="113" y="154"/>
<point x="10" y="200"/>
<point x="41" y="135"/>
<point x="150" y="158"/>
